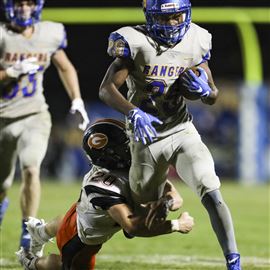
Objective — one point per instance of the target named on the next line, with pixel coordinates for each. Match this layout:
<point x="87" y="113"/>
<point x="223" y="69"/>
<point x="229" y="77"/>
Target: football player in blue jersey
<point x="163" y="62"/>
<point x="28" y="46"/>
<point x="104" y="207"/>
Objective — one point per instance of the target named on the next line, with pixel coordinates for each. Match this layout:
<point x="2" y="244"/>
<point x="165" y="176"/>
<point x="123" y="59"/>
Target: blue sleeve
<point x="206" y="57"/>
<point x="63" y="43"/>
<point x="118" y="46"/>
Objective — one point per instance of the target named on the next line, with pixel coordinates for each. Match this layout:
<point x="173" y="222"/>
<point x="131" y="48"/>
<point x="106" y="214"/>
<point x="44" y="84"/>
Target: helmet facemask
<point x="117" y="157"/>
<point x="165" y="33"/>
<point x="16" y="15"/>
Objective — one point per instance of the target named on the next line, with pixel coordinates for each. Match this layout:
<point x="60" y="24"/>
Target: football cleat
<point x="3" y="209"/>
<point x="26" y="259"/>
<point x="233" y="261"/>
<point x="37" y="243"/>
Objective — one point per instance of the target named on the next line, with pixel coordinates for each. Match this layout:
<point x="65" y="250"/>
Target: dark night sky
<point x="137" y="3"/>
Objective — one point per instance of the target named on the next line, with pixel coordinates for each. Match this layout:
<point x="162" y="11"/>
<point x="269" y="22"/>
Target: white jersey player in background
<point x="155" y="61"/>
<point x="27" y="48"/>
<point x="104" y="207"/>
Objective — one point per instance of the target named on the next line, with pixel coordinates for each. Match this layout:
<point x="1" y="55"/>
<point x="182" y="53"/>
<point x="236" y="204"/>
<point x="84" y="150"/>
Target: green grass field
<point x="198" y="250"/>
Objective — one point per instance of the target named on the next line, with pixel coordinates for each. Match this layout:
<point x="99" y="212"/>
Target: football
<point x="184" y="91"/>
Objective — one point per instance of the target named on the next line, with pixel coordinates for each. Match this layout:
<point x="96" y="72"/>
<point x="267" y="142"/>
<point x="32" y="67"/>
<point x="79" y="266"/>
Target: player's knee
<point x="31" y="174"/>
<point x="209" y="182"/>
<point x="213" y="197"/>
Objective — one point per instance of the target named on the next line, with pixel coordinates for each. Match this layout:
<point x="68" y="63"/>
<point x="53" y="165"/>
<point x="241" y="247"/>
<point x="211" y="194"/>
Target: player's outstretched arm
<point x="69" y="77"/>
<point x="135" y="225"/>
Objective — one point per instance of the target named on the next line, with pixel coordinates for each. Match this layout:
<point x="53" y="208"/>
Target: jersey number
<point x="28" y="90"/>
<point x="154" y="89"/>
<point x="171" y="101"/>
<point x="105" y="178"/>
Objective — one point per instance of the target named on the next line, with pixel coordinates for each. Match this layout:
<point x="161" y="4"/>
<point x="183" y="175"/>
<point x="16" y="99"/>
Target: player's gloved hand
<point x="77" y="105"/>
<point x="183" y="224"/>
<point x="26" y="66"/>
<point x="197" y="84"/>
<point x="142" y="125"/>
<point x="157" y="211"/>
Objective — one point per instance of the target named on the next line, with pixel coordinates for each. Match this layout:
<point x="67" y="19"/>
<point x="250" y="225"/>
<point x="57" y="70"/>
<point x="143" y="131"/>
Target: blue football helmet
<point x="13" y="16"/>
<point x="168" y="35"/>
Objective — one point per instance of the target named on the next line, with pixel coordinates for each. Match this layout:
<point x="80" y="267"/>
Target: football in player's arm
<point x="104" y="207"/>
<point x="28" y="46"/>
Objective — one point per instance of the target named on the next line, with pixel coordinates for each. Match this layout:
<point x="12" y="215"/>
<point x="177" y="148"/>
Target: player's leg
<point x="52" y="261"/>
<point x="75" y="254"/>
<point x="8" y="154"/>
<point x="195" y="165"/>
<point x="32" y="262"/>
<point x="41" y="233"/>
<point x="148" y="172"/>
<point x="222" y="224"/>
<point x="85" y="258"/>
<point x="32" y="146"/>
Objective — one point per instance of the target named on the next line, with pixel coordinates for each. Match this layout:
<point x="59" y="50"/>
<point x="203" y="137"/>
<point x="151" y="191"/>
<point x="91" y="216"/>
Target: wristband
<point x="175" y="227"/>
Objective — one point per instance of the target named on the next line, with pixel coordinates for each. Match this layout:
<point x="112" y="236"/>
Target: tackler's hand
<point x="77" y="105"/>
<point x="26" y="66"/>
<point x="157" y="211"/>
<point x="142" y="125"/>
<point x="183" y="224"/>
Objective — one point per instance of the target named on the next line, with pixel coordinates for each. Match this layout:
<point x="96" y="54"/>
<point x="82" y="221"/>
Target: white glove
<point x="78" y="106"/>
<point x="26" y="66"/>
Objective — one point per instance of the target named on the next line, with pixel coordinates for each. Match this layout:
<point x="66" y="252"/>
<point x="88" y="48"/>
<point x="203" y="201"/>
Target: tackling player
<point x="27" y="47"/>
<point x="155" y="61"/>
<point x="104" y="207"/>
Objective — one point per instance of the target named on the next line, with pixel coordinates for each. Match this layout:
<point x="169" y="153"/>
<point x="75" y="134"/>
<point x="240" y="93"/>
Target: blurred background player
<point x="155" y="61"/>
<point x="104" y="207"/>
<point x="27" y="48"/>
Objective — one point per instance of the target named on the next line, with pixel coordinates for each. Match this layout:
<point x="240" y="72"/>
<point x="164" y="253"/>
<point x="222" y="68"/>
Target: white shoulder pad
<point x="105" y="180"/>
<point x="204" y="40"/>
<point x="57" y="33"/>
<point x="124" y="42"/>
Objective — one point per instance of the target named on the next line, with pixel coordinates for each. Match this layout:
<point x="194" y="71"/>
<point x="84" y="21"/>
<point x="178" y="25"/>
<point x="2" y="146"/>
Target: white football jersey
<point x="153" y="83"/>
<point x="26" y="96"/>
<point x="101" y="189"/>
